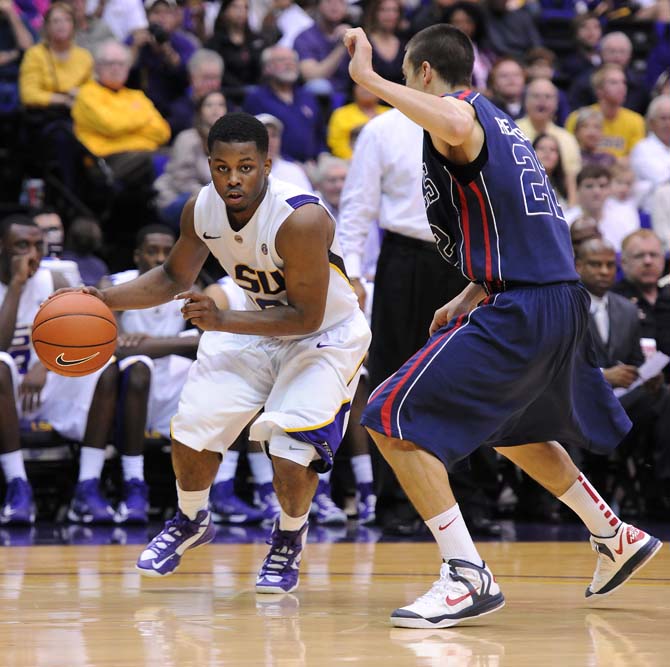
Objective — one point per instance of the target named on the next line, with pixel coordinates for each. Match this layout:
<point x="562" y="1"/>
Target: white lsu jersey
<point x="35" y="291"/>
<point x="160" y="321"/>
<point x="250" y="258"/>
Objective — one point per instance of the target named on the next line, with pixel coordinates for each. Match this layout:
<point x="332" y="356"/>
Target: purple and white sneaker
<point x="89" y="505"/>
<point x="226" y="507"/>
<point x="324" y="510"/>
<point x="366" y="502"/>
<point x="18" y="508"/>
<point x="266" y="499"/>
<point x="134" y="508"/>
<point x="163" y="554"/>
<point x="281" y="567"/>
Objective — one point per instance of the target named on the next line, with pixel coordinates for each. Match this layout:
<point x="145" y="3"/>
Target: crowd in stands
<point x="105" y="106"/>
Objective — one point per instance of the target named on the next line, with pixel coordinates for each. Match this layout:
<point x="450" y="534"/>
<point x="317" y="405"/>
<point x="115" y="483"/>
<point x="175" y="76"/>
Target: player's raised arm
<point x="447" y="119"/>
<point x="302" y="242"/>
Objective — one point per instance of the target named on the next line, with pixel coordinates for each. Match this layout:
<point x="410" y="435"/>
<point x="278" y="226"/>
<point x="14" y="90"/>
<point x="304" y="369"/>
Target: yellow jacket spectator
<point x="110" y="121"/>
<point x="52" y="72"/>
<point x="622" y="128"/>
<point x="351" y="117"/>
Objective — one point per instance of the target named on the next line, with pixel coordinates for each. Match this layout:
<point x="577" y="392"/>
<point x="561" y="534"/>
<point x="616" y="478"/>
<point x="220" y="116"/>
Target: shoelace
<point x="282" y="554"/>
<point x="168" y="535"/>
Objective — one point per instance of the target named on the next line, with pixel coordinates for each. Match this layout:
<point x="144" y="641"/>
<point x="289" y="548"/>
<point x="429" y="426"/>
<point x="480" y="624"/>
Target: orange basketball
<point x="74" y="334"/>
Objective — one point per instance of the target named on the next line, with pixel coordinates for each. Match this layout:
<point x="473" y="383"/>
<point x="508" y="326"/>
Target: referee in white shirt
<point x="412" y="281"/>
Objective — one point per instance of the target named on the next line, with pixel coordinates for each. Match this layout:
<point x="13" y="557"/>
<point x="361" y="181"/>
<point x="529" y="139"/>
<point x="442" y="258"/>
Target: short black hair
<point x="448" y="50"/>
<point x="239" y="128"/>
<point x="143" y="232"/>
<point x="16" y="219"/>
<point x="593" y="171"/>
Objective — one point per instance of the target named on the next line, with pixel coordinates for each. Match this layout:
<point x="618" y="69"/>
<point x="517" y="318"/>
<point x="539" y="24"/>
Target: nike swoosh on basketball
<point x="447" y="525"/>
<point x="64" y="362"/>
<point x="451" y="602"/>
<point x="206" y="236"/>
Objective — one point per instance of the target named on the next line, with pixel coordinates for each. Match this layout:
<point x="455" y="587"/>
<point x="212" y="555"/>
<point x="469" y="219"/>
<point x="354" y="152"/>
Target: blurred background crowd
<point x="105" y="106"/>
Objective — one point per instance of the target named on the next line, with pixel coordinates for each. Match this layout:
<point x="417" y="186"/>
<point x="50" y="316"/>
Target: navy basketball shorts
<point x="517" y="369"/>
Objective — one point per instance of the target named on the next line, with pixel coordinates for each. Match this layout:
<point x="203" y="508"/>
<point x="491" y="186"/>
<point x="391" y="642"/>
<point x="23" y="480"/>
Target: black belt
<point x="408" y="241"/>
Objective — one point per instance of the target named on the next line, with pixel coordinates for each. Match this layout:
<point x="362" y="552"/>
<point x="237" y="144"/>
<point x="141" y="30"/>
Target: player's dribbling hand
<point x="200" y="310"/>
<point x="360" y="51"/>
<point x="88" y="289"/>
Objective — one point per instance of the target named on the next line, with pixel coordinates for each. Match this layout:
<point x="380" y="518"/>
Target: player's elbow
<point x="311" y="322"/>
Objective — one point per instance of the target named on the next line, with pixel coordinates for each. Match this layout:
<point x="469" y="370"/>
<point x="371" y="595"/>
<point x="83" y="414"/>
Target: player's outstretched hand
<point x="201" y="310"/>
<point x="86" y="289"/>
<point x="360" y="51"/>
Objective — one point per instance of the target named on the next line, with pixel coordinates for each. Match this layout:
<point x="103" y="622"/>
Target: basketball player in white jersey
<point x="155" y="353"/>
<point x="296" y="352"/>
<point x="28" y="391"/>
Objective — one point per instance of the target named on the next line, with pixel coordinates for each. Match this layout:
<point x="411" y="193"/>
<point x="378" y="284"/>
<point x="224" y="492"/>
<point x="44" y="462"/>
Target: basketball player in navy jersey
<point x="507" y="362"/>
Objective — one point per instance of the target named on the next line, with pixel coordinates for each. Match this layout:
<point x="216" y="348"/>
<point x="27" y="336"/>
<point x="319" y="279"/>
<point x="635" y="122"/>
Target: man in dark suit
<point x="616" y="332"/>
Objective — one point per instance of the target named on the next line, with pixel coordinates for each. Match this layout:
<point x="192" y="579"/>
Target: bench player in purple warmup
<point x="508" y="361"/>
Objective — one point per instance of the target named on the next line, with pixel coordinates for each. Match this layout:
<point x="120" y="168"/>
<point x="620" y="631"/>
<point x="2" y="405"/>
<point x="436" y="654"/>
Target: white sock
<point x="361" y="465"/>
<point x="261" y="467"/>
<point x="453" y="537"/>
<point x="287" y="522"/>
<point x="13" y="466"/>
<point x="228" y="467"/>
<point x="587" y="504"/>
<point x="191" y="502"/>
<point x="91" y="461"/>
<point x="133" y="467"/>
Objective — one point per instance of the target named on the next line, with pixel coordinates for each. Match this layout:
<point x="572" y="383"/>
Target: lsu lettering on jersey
<point x="161" y="321"/>
<point x="498" y="218"/>
<point x="34" y="292"/>
<point x="249" y="255"/>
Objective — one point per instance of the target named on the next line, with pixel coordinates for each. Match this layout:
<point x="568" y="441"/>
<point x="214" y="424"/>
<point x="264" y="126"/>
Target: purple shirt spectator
<point x="312" y="43"/>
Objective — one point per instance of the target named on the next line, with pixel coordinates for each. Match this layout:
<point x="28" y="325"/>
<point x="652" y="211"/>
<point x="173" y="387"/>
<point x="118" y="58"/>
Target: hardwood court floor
<point x="84" y="606"/>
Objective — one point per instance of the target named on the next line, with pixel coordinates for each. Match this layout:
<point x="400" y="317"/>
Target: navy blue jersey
<point x="497" y="218"/>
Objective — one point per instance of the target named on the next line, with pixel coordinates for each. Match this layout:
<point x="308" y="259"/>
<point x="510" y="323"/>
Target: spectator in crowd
<point x="160" y="54"/>
<point x="593" y="187"/>
<point x="616" y="334"/>
<point x="650" y="158"/>
<point x="622" y="128"/>
<point x="615" y="48"/>
<point x="90" y="29"/>
<point x="188" y="167"/>
<point x="506" y="84"/>
<point x="469" y="18"/>
<point x="323" y="58"/>
<point x="660" y="214"/>
<point x="585" y="57"/>
<point x="295" y="106"/>
<point x="205" y="73"/>
<point x="658" y="59"/>
<point x="117" y="123"/>
<point x="382" y="25"/>
<point x="643" y="262"/>
<point x="510" y="32"/>
<point x="284" y="21"/>
<point x="583" y="229"/>
<point x="154" y="358"/>
<point x="53" y="71"/>
<point x="549" y="153"/>
<point x="541" y="103"/>
<point x="540" y="63"/>
<point x="80" y="408"/>
<point x="239" y="47"/>
<point x="284" y="170"/>
<point x="429" y="13"/>
<point x="83" y="242"/>
<point x="15" y="38"/>
<point x="349" y="117"/>
<point x="589" y="134"/>
<point x="124" y="17"/>
<point x="620" y="214"/>
<point x="662" y="85"/>
<point x="329" y="180"/>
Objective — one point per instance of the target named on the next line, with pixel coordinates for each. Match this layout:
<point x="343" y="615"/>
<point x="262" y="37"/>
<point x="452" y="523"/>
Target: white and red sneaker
<point x="620" y="557"/>
<point x="464" y="591"/>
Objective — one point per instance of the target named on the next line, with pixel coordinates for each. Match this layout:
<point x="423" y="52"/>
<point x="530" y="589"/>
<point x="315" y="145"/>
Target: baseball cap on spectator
<point x="269" y="119"/>
<point x="148" y="4"/>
